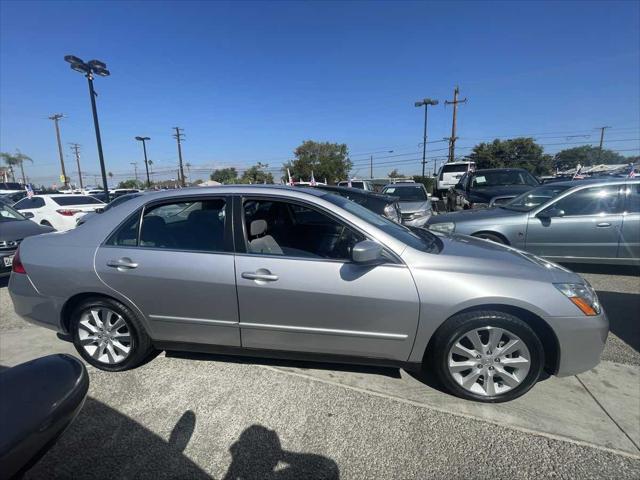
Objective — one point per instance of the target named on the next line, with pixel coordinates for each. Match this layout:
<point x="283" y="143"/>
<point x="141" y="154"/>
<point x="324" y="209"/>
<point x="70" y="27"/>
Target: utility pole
<point x="135" y="170"/>
<point x="146" y="161"/>
<point x="425" y="102"/>
<point x="602" y="129"/>
<point x="178" y="136"/>
<point x="56" y="118"/>
<point x="371" y="168"/>
<point x="76" y="149"/>
<point x="453" y="138"/>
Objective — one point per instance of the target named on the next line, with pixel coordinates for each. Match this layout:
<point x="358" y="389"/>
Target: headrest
<point x="258" y="227"/>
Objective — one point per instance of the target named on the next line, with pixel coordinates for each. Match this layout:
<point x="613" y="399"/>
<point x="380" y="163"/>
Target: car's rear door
<point x="588" y="228"/>
<point x="629" y="247"/>
<point x="178" y="268"/>
<point x="299" y="291"/>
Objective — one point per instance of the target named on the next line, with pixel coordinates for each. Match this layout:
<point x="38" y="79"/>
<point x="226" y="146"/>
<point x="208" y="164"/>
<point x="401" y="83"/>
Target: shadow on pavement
<point x="275" y="362"/>
<point x="623" y="310"/>
<point x="4" y="281"/>
<point x="103" y="443"/>
<point x="627" y="270"/>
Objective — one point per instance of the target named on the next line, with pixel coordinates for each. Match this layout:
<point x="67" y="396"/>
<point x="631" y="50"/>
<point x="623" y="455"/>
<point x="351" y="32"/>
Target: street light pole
<point x="146" y="162"/>
<point x="426" y="102"/>
<point x="88" y="69"/>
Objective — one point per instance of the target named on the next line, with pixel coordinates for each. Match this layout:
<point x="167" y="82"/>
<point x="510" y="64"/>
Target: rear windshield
<point x="10" y="186"/>
<point x="67" y="200"/>
<point x="460" y="167"/>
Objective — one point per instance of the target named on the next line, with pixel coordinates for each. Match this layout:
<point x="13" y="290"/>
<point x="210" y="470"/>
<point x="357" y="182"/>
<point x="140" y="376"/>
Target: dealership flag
<point x="290" y="179"/>
<point x="313" y="180"/>
<point x="29" y="190"/>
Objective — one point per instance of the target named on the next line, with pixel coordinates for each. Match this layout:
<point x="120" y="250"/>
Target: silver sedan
<point x="297" y="273"/>
<point x="586" y="221"/>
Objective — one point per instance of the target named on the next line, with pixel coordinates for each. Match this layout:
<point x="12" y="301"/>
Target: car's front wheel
<point x="487" y="356"/>
<point x="109" y="335"/>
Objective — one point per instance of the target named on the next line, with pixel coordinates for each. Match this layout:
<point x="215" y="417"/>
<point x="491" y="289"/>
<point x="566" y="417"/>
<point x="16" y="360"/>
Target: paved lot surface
<point x="186" y="416"/>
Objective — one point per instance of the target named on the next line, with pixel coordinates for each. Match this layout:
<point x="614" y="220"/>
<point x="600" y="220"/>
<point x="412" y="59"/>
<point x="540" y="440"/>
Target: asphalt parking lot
<point x="196" y="416"/>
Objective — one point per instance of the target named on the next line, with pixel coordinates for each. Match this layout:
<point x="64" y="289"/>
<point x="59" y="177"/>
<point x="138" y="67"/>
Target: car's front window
<point x="497" y="179"/>
<point x="407" y="194"/>
<point x="417" y="238"/>
<point x="8" y="214"/>
<point x="534" y="198"/>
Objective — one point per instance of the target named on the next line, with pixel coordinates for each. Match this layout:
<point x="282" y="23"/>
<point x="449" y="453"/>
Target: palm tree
<point x="21" y="159"/>
<point x="16" y="159"/>
<point x="110" y="176"/>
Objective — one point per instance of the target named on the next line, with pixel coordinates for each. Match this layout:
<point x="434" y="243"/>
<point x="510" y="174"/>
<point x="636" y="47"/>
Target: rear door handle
<point x="265" y="277"/>
<point x="603" y="224"/>
<point x="122" y="264"/>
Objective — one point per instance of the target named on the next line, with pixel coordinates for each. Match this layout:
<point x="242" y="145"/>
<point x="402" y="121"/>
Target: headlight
<point x="420" y="214"/>
<point x="444" y="227"/>
<point x="392" y="213"/>
<point x="478" y="205"/>
<point x="582" y="295"/>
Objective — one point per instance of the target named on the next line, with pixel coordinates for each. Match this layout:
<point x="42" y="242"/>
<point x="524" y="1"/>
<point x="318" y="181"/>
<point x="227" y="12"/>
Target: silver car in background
<point x="415" y="204"/>
<point x="302" y="273"/>
<point x="585" y="221"/>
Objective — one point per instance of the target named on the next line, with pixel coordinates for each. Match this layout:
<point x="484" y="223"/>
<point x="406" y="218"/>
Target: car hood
<point x="486" y="194"/>
<point x="410" y="207"/>
<point x="474" y="255"/>
<point x="475" y="215"/>
<point x="21" y="229"/>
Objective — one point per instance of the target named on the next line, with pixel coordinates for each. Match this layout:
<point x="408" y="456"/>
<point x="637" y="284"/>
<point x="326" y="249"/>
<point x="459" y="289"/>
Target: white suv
<point x="450" y="174"/>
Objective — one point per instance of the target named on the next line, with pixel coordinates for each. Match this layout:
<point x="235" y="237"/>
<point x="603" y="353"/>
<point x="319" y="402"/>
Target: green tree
<point x="395" y="174"/>
<point x="324" y="159"/>
<point x="13" y="160"/>
<point x="586" y="155"/>
<point x="225" y="175"/>
<point x="512" y="153"/>
<point x="131" y="183"/>
<point x="256" y="174"/>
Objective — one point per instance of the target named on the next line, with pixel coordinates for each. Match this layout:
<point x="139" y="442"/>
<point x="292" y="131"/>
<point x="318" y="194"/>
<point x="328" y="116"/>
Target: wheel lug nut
<point x="498" y="360"/>
<point x="479" y="365"/>
<point x="490" y="368"/>
<point x="477" y="356"/>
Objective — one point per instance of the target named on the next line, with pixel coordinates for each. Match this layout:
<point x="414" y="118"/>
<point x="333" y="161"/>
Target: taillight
<point x="68" y="212"/>
<point x="16" y="266"/>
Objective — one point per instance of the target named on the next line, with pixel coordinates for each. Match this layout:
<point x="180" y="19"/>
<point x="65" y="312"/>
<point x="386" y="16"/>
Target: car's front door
<point x="178" y="268"/>
<point x="299" y="291"/>
<point x="583" y="224"/>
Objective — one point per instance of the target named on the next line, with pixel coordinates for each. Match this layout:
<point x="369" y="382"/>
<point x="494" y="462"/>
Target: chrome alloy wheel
<point x="104" y="335"/>
<point x="489" y="361"/>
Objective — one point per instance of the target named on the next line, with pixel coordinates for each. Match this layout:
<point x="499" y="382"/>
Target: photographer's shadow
<point x="258" y="454"/>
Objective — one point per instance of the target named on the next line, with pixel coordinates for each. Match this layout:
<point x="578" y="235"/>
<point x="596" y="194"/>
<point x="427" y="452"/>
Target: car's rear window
<point x="461" y="167"/>
<point x="67" y="200"/>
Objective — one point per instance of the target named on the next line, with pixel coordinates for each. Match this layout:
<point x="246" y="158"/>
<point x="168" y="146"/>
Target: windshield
<point x="412" y="193"/>
<point x="533" y="198"/>
<point x="418" y="238"/>
<point x="8" y="214"/>
<point x="502" y="178"/>
<point x="117" y="201"/>
<point x="67" y="200"/>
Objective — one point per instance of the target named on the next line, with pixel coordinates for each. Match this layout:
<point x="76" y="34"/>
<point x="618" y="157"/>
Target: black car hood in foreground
<point x="19" y="229"/>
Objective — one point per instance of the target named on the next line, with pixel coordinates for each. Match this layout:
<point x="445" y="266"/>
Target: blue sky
<point x="250" y="81"/>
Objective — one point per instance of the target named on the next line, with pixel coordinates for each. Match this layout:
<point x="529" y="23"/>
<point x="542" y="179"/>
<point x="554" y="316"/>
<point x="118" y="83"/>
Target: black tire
<point x="490" y="236"/>
<point x="141" y="346"/>
<point x="458" y="325"/>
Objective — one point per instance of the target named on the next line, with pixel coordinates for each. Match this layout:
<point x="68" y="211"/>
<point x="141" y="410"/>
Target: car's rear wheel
<point x="487" y="356"/>
<point x="109" y="335"/>
<point x="490" y="236"/>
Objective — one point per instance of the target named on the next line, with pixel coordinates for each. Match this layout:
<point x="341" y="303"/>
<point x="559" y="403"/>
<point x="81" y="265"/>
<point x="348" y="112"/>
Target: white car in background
<point x="59" y="211"/>
<point x="450" y="174"/>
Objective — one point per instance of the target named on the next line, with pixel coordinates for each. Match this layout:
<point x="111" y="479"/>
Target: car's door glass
<point x="193" y="225"/>
<point x="591" y="201"/>
<point x="26" y="203"/>
<point x="632" y="193"/>
<point x="293" y="230"/>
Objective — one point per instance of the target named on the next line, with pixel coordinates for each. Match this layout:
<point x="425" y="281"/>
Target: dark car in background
<point x="489" y="187"/>
<point x="14" y="227"/>
<point x="385" y="205"/>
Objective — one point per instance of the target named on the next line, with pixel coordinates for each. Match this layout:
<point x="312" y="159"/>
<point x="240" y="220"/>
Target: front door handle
<point x="122" y="264"/>
<point x="603" y="224"/>
<point x="260" y="275"/>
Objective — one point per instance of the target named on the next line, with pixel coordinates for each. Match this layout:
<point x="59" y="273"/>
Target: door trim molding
<point x="200" y="321"/>
<point x="325" y="331"/>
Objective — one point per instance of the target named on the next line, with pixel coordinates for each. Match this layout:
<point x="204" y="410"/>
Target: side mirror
<point x="550" y="212"/>
<point x="367" y="252"/>
<point x="28" y="215"/>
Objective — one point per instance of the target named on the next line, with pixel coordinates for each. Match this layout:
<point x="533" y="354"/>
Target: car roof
<point x="355" y="191"/>
<point x="404" y="184"/>
<point x="510" y="169"/>
<point x="592" y="181"/>
<point x="234" y="189"/>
